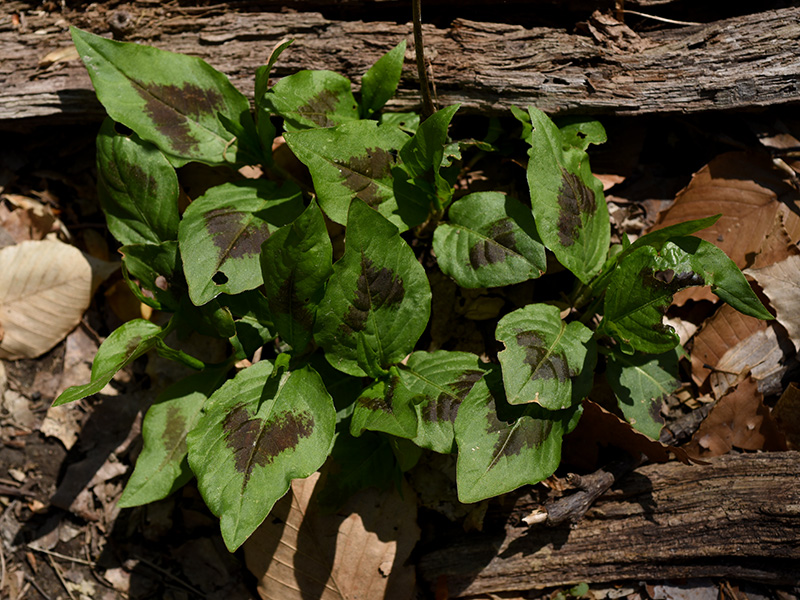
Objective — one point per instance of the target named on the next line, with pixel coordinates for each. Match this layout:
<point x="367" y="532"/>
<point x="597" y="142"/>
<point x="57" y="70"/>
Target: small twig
<point x="6" y="490"/>
<point x="57" y="571"/>
<point x="80" y="561"/>
<point x="662" y="19"/>
<point x="28" y="582"/>
<point x="682" y="428"/>
<point x="419" y="50"/>
<point x="2" y="567"/>
<point x="573" y="507"/>
<point x="155" y="567"/>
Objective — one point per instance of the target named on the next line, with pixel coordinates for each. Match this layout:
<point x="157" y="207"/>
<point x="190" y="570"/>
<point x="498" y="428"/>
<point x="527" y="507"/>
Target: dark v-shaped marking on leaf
<point x="363" y="174"/>
<point x="255" y="442"/>
<point x="245" y="237"/>
<point x="174" y="100"/>
<point x="575" y="198"/>
<point x="375" y="289"/>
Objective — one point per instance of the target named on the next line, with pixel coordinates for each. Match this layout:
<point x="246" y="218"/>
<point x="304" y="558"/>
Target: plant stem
<point x="419" y="49"/>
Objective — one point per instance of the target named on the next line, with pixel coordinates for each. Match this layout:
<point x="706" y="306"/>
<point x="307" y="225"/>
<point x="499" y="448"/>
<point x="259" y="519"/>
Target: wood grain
<point x="740" y="63"/>
<point x="737" y="517"/>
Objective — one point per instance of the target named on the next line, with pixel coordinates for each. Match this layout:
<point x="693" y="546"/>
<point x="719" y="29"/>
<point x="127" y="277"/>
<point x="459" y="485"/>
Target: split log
<point x="737" y="517"/>
<point x="738" y="63"/>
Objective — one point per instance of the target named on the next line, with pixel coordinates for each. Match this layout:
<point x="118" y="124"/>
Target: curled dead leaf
<point x="45" y="287"/>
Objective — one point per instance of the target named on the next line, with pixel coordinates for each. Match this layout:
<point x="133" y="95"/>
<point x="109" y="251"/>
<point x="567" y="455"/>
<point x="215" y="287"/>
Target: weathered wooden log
<point x="737" y="517"/>
<point x="738" y="63"/>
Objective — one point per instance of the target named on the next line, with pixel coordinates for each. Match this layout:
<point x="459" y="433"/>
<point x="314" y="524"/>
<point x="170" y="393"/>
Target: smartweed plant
<point x="346" y="368"/>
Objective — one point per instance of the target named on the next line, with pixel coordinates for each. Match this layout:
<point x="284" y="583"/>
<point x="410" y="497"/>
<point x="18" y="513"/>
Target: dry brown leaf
<point x="599" y="427"/>
<point x="733" y="344"/>
<point x="45" y="287"/>
<point x="30" y="219"/>
<point x="778" y="245"/>
<point x="781" y="284"/>
<point x="359" y="552"/>
<point x="721" y="333"/>
<point x="747" y="189"/>
<point x="739" y="420"/>
<point x="787" y="414"/>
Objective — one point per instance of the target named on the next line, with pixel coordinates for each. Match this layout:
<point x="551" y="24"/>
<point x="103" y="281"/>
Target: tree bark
<point x="737" y="517"/>
<point x="739" y="63"/>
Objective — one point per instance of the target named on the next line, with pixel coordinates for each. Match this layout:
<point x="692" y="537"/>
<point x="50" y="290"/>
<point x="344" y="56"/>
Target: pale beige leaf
<point x="45" y="287"/>
<point x="781" y="283"/>
<point x="358" y="552"/>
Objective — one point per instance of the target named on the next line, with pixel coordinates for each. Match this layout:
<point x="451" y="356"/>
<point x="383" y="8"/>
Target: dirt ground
<point x="61" y="472"/>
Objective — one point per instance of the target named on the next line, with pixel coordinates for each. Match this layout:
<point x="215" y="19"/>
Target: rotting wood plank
<point x="737" y="517"/>
<point x="740" y="63"/>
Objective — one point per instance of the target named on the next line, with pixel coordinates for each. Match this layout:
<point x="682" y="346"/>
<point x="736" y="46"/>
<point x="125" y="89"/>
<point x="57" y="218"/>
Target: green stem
<point x="419" y="49"/>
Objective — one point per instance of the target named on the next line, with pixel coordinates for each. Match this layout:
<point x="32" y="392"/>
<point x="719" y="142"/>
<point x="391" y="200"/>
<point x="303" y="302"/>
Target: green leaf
<point x="722" y="274"/>
<point x="296" y="261"/>
<point x="490" y="241"/>
<point x="568" y="203"/>
<point x="377" y="301"/>
<point x="264" y="126"/>
<point x="137" y="188"/>
<point x="641" y="289"/>
<point x="406" y="121"/>
<point x="177" y="102"/>
<point x="545" y="361"/>
<point x="641" y="384"/>
<point x="657" y="239"/>
<point x="251" y="320"/>
<point x="423" y="153"/>
<point x="263" y="72"/>
<point x="211" y="319"/>
<point x="354" y="160"/>
<point x="356" y="463"/>
<point x="418" y="183"/>
<point x="502" y="447"/>
<point x="127" y="343"/>
<point x="579" y="133"/>
<point x="259" y="431"/>
<point x="153" y="271"/>
<point x="439" y="381"/>
<point x="380" y="83"/>
<point x="162" y="467"/>
<point x="221" y="233"/>
<point x="311" y="99"/>
<point x="385" y="406"/>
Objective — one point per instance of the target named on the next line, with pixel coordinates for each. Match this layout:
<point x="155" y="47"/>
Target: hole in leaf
<point x="220" y="278"/>
<point x="122" y="129"/>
